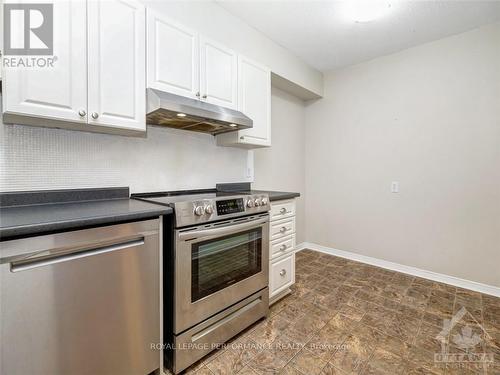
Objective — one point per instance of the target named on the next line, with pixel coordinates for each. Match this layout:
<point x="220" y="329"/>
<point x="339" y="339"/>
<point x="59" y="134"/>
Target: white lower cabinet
<point x="281" y="246"/>
<point x="282" y="274"/>
<point x="281" y="249"/>
<point x="280" y="228"/>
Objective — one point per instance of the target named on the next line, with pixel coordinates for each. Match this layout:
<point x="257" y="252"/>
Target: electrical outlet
<point x="250" y="166"/>
<point x="395" y="187"/>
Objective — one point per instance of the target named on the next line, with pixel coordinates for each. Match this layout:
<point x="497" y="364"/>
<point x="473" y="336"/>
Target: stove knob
<point x="264" y="201"/>
<point x="209" y="209"/>
<point x="250" y="203"/>
<point x="199" y="210"/>
<point x="258" y="202"/>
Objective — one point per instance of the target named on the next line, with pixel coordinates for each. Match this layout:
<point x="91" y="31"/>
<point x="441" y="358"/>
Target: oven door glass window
<point x="221" y="262"/>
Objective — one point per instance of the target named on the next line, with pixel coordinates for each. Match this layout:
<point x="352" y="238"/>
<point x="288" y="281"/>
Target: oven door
<point x="218" y="265"/>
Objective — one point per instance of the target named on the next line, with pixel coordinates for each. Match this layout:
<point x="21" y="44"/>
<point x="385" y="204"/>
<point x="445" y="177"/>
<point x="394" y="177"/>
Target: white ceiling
<point x="319" y="33"/>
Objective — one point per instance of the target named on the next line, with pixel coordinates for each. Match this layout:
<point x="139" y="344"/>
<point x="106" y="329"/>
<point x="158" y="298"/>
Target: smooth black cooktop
<point x="170" y="197"/>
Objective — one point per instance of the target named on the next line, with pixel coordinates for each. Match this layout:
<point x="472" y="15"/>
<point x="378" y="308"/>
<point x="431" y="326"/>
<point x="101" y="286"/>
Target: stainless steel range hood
<point x="178" y="112"/>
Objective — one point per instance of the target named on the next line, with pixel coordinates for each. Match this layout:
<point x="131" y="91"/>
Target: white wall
<point x="281" y="167"/>
<point x="428" y="117"/>
<point x="217" y="23"/>
<point x="34" y="158"/>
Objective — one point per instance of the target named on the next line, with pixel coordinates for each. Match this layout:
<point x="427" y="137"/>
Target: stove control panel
<point x="230" y="206"/>
<point x="206" y="210"/>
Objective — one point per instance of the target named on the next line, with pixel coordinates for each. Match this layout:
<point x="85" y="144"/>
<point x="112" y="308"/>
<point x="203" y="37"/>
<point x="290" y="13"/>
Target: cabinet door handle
<point x="283" y="247"/>
<point x="283" y="211"/>
<point x="198" y="94"/>
<point x="82" y="113"/>
<point x="283" y="273"/>
<point x="283" y="230"/>
<point x="204" y="96"/>
<point x="95" y="115"/>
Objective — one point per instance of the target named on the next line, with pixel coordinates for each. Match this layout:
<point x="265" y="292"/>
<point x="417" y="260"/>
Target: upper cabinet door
<point x="172" y="56"/>
<point x="218" y="75"/>
<point x="254" y="100"/>
<point x="60" y="92"/>
<point x="117" y="64"/>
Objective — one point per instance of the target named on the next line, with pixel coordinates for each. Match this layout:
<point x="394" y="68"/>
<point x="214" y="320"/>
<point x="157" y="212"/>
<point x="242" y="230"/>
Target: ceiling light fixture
<point x="233" y="125"/>
<point x="365" y="10"/>
<point x="181" y="115"/>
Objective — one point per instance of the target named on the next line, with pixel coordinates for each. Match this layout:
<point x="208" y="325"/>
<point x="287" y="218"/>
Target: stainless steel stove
<point x="204" y="206"/>
<point x="219" y="267"/>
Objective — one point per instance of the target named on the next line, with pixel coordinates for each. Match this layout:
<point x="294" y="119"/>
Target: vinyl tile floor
<point x="345" y="317"/>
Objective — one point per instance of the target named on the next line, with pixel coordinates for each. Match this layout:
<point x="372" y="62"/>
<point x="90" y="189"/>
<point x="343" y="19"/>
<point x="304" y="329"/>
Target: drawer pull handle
<point x="282" y="273"/>
<point x="283" y="247"/>
<point x="283" y="211"/>
<point x="283" y="230"/>
<point x="221" y="323"/>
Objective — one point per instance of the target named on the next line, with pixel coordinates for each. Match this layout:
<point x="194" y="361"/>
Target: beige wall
<point x="281" y="167"/>
<point x="428" y="117"/>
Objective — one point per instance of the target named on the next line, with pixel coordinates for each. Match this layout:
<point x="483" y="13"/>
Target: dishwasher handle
<point x="78" y="253"/>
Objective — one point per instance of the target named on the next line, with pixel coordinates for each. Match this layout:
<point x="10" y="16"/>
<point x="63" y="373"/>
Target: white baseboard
<point x="434" y="276"/>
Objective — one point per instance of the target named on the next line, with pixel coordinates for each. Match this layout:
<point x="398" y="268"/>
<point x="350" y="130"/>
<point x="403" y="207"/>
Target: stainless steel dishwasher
<point x="81" y="302"/>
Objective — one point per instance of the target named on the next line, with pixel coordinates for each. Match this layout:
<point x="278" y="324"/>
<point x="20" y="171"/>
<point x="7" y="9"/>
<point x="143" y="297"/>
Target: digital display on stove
<point x="230" y="206"/>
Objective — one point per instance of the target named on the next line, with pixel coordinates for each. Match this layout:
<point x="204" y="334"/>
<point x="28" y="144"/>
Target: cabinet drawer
<point x="282" y="228"/>
<point x="282" y="246"/>
<point x="282" y="274"/>
<point x="282" y="209"/>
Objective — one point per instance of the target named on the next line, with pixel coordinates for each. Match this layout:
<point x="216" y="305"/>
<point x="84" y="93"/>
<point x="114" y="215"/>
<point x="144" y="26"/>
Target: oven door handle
<point x="186" y="236"/>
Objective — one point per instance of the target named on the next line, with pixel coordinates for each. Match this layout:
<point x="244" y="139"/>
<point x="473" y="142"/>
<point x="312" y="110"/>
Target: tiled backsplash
<point x="34" y="158"/>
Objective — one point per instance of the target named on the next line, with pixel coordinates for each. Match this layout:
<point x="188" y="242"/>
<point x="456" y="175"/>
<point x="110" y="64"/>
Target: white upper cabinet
<point x="117" y="65"/>
<point x="57" y="93"/>
<point x="254" y="100"/>
<point x="173" y="58"/>
<point x="98" y="82"/>
<point x="218" y="74"/>
<point x="182" y="62"/>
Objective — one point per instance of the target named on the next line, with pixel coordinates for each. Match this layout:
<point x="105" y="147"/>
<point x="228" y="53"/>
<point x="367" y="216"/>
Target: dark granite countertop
<point x="18" y="220"/>
<point x="24" y="214"/>
<point x="276" y="195"/>
<point x="245" y="188"/>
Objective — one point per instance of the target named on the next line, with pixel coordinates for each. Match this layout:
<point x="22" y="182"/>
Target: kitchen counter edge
<point x="28" y="214"/>
<point x="277" y="195"/>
